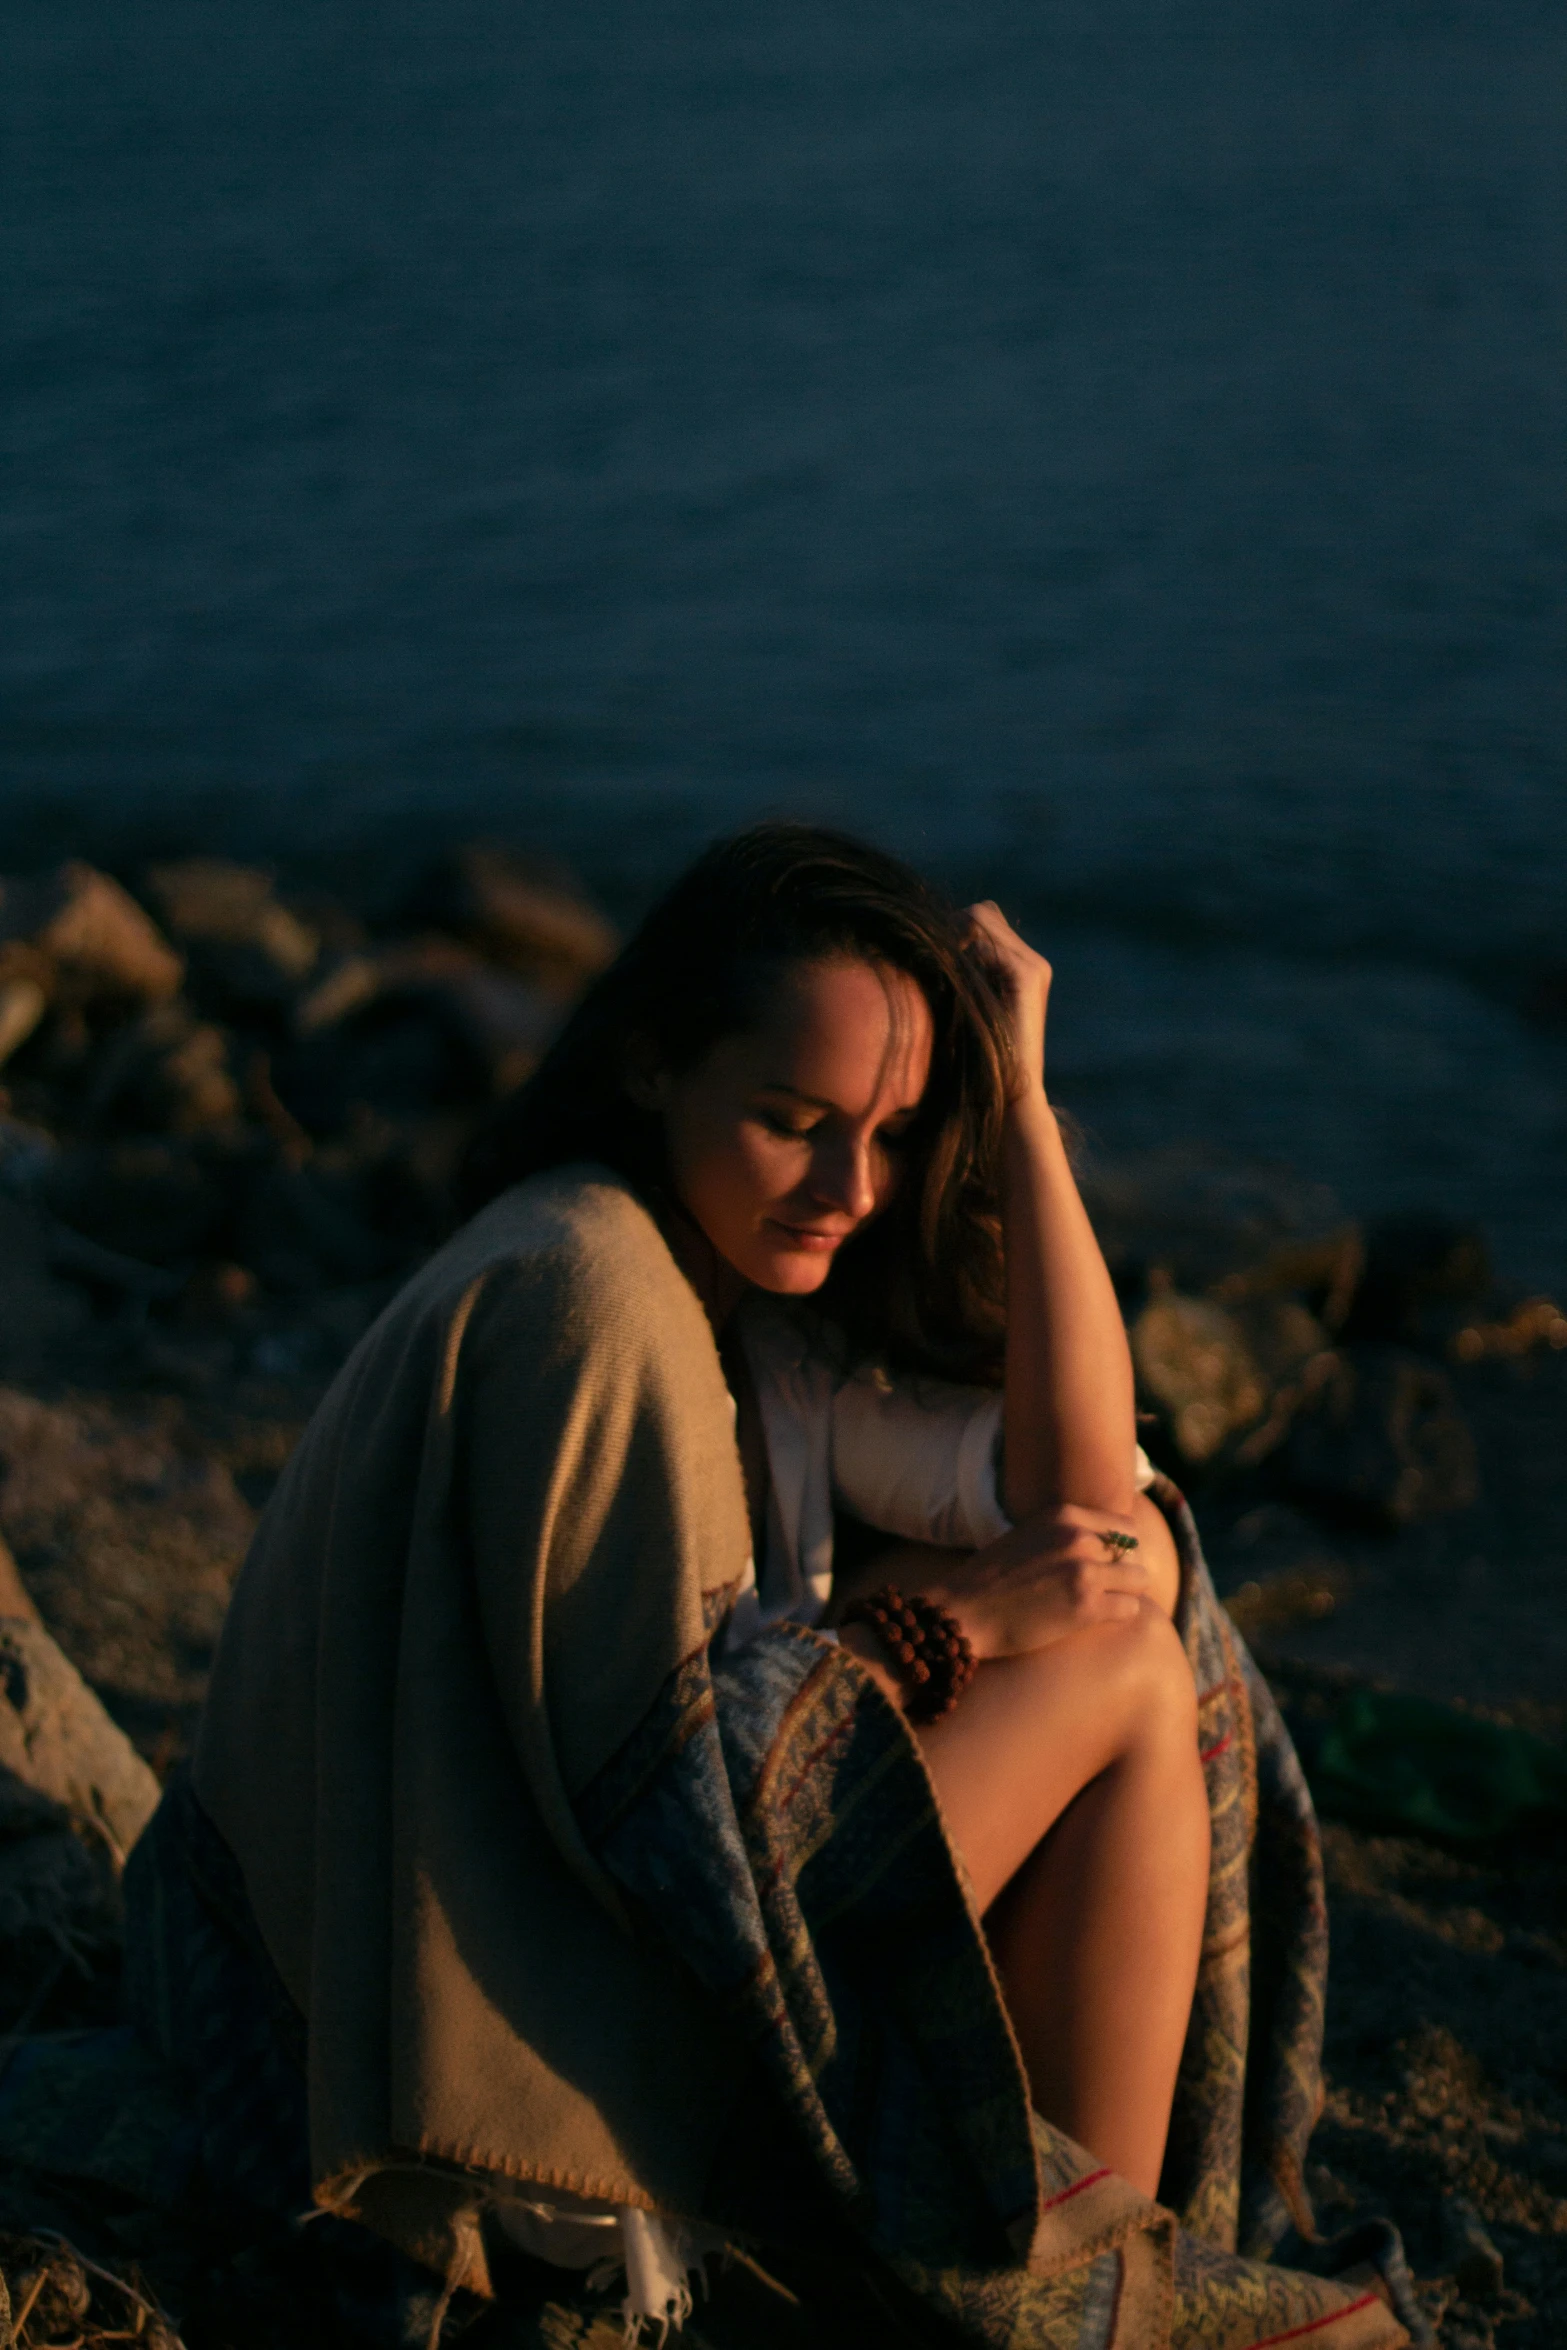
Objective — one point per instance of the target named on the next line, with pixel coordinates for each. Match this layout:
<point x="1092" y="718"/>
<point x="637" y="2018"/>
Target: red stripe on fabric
<point x="1218" y="1690"/>
<point x="833" y="1738"/>
<point x="1076" y="2188"/>
<point x="1212" y="1753"/>
<point x="1299" y="2333"/>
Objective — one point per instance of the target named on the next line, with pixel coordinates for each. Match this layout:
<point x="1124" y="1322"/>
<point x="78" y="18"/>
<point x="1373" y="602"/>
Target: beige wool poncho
<point x="476" y="1609"/>
<point x="510" y="1520"/>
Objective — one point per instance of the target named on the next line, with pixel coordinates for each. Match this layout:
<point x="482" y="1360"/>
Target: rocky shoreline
<point x="230" y="1119"/>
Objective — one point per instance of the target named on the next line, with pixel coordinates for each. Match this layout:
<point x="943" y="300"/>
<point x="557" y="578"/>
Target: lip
<point x="810" y="1236"/>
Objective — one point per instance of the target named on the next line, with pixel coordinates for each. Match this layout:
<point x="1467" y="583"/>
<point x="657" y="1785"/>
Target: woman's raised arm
<point x="1069" y="1420"/>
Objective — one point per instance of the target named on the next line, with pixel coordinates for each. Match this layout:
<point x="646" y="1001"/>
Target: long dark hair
<point x="921" y="1287"/>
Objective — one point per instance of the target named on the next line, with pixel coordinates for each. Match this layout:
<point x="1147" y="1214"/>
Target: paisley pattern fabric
<point x="772" y="1818"/>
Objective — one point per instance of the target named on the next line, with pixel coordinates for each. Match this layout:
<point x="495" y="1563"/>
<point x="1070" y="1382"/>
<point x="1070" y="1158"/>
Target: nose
<point x="843" y="1177"/>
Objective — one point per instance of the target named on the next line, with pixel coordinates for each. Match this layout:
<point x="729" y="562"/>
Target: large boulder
<point x="25" y="988"/>
<point x="74" y="1797"/>
<point x="1424" y="1275"/>
<point x="1195" y="1219"/>
<point x="43" y="1319"/>
<point x="153" y="1202"/>
<point x="247" y="951"/>
<point x="1225" y="1380"/>
<point x="1195" y="1367"/>
<point x="302" y="1228"/>
<point x="129" y="1533"/>
<point x="93" y="935"/>
<point x="59" y="1751"/>
<point x="165" y="1073"/>
<point x="417" y="1028"/>
<point x="517" y="914"/>
<point x="410" y="1030"/>
<point x="1381" y="1440"/>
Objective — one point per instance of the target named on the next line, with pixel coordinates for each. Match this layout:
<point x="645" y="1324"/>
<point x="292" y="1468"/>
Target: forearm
<point x="1069" y="1419"/>
<point x="1040" y="1582"/>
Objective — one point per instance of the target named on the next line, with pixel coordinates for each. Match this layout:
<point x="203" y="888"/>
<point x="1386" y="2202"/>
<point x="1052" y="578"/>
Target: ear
<point x="645" y="1080"/>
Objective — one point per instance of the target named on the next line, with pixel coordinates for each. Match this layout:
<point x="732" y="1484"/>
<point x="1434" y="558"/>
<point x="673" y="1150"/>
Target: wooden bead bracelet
<point x="925" y="1645"/>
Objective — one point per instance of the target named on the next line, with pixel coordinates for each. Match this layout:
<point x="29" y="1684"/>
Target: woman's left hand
<point x="1024" y="978"/>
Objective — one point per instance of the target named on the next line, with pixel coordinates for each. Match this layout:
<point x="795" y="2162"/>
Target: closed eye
<point x="779" y="1122"/>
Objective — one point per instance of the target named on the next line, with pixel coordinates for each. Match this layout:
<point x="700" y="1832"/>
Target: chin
<point x="791" y="1273"/>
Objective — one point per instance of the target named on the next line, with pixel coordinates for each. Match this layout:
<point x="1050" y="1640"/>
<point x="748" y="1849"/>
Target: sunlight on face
<point x="784" y="1140"/>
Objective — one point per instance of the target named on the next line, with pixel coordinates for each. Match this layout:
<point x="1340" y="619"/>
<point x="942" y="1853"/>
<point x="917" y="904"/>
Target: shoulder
<point x="572" y="1259"/>
<point x="582" y="1219"/>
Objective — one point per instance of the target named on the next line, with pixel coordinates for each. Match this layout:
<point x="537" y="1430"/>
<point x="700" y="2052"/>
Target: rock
<point x="247" y="951"/>
<point x="94" y="934"/>
<point x="404" y="1056"/>
<point x="1468" y="2254"/>
<point x="1193" y="1362"/>
<point x="1326" y="1273"/>
<point x="156" y="1203"/>
<point x="1275" y="1603"/>
<point x="1421" y="1273"/>
<point x="511" y="1021"/>
<point x="26" y="1155"/>
<point x="74" y="1797"/>
<point x="217" y="1295"/>
<point x="43" y="1319"/>
<point x="1381" y="1439"/>
<point x="350" y="984"/>
<point x="129" y="1536"/>
<point x="131" y="1281"/>
<point x="57" y="1742"/>
<point x="303" y="1228"/>
<point x="516" y="914"/>
<point x="400" y="1180"/>
<point x="1225" y="1377"/>
<point x="1197" y="1218"/>
<point x="166" y="1073"/>
<point x="23" y="1003"/>
<point x="505" y="1020"/>
<point x="1537" y="1322"/>
<point x="15" y="1598"/>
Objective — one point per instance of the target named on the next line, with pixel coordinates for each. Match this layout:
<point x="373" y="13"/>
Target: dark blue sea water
<point x="1116" y="452"/>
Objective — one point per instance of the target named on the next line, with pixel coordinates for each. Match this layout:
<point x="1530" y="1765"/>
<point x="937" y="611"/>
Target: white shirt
<point x="915" y="1458"/>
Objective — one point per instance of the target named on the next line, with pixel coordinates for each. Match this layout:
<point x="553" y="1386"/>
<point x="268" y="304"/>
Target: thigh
<point x="1032" y="1731"/>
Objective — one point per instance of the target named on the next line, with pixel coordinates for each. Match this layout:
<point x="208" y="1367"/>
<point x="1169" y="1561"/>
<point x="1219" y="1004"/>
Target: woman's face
<point x="785" y="1139"/>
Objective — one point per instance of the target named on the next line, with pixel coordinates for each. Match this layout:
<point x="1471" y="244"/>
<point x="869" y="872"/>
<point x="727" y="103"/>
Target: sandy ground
<point x="132" y="1470"/>
<point x="1447" y="1993"/>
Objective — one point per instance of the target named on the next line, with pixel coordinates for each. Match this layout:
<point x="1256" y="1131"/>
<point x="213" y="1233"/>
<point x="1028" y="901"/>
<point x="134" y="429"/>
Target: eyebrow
<point x="815" y="1101"/>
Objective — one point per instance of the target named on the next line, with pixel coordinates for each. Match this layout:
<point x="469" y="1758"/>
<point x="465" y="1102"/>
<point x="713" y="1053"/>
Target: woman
<point x="578" y="1883"/>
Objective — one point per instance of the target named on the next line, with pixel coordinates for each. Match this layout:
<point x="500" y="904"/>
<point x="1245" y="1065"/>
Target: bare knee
<point x="1152" y="1677"/>
<point x="1159" y="1553"/>
<point x="1131" y="1680"/>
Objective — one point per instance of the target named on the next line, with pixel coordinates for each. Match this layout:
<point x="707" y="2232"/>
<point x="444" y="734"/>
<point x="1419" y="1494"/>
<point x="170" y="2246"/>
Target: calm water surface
<point x="1117" y="454"/>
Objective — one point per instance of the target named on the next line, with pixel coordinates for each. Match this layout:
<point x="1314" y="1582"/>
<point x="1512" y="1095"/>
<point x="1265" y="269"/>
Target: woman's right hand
<point x="1049" y="1575"/>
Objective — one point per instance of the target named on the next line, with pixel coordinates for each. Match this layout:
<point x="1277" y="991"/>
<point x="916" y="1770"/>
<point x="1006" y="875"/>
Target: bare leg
<point x="1070" y="1782"/>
